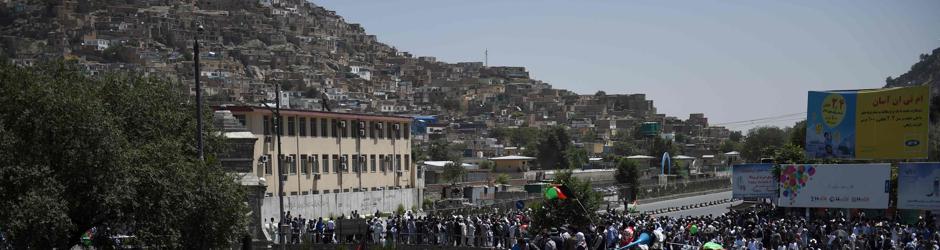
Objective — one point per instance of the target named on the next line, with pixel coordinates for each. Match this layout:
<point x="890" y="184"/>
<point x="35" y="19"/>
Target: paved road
<point x="713" y="210"/>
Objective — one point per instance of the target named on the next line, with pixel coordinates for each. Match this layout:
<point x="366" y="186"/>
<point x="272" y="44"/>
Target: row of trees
<point x="113" y="155"/>
<point x="774" y="142"/>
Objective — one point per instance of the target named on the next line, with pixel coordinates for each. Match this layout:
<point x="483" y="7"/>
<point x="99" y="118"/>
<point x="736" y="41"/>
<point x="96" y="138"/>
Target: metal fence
<point x="653" y="191"/>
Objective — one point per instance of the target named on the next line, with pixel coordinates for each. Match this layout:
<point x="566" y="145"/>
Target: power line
<point x="770" y="118"/>
<point x="739" y="125"/>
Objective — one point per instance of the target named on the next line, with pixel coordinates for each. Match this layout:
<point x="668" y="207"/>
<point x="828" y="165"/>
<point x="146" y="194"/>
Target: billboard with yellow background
<point x="868" y="124"/>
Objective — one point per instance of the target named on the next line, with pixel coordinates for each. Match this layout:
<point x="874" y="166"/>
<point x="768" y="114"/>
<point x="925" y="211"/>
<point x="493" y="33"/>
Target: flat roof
<point x="284" y="111"/>
<point x="513" y="157"/>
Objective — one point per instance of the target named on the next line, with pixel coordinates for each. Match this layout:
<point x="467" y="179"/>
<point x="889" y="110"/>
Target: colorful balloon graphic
<point x="793" y="178"/>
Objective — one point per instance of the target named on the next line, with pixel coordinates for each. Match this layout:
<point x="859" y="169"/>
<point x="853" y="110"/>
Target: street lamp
<point x="199" y="141"/>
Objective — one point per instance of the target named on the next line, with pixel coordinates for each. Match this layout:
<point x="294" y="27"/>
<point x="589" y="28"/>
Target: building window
<point x="382" y="163"/>
<point x="266" y="126"/>
<point x="371" y="129"/>
<point x="380" y="129"/>
<point x="397" y="162"/>
<point x="325" y="163"/>
<point x="314" y="164"/>
<point x="303" y="126"/>
<point x="407" y="162"/>
<point x="346" y="128"/>
<point x="242" y="119"/>
<point x="291" y="126"/>
<point x="292" y="164"/>
<point x="355" y="128"/>
<point x="363" y="163"/>
<point x="407" y="129"/>
<point x="267" y="165"/>
<point x="372" y="163"/>
<point x="313" y="127"/>
<point x="281" y="161"/>
<point x="304" y="165"/>
<point x="388" y="129"/>
<point x="334" y="132"/>
<point x="355" y="164"/>
<point x="336" y="164"/>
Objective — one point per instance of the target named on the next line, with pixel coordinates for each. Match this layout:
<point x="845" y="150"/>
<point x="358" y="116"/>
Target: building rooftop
<point x="513" y="157"/>
<point x="310" y="112"/>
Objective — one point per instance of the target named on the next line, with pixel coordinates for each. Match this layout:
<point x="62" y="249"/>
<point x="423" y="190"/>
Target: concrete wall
<point x="324" y="205"/>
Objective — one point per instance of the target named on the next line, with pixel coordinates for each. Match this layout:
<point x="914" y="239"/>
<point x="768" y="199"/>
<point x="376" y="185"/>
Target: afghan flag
<point x="558" y="192"/>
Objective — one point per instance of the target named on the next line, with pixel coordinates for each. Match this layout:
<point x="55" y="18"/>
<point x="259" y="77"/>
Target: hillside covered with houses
<point x="248" y="46"/>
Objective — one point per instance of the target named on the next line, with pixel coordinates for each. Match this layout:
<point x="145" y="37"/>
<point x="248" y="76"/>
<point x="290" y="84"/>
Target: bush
<point x="400" y="210"/>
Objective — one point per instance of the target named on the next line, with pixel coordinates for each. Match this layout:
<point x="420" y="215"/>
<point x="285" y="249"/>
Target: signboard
<point x="835" y="185"/>
<point x="868" y="124"/>
<point x="919" y="185"/>
<point x="753" y="181"/>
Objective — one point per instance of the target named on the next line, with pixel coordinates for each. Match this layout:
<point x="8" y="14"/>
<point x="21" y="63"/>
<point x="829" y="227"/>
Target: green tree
<point x="555" y="213"/>
<point x="628" y="174"/>
<point x="454" y="171"/>
<point x="111" y="152"/>
<point x="762" y="142"/>
<point x="728" y="146"/>
<point x="486" y="164"/>
<point x="789" y="154"/>
<point x="502" y="179"/>
<point x="798" y="134"/>
<point x="440" y="150"/>
<point x="524" y="136"/>
<point x="552" y="146"/>
<point x="418" y="153"/>
<point x="736" y="136"/>
<point x="577" y="157"/>
<point x="590" y="136"/>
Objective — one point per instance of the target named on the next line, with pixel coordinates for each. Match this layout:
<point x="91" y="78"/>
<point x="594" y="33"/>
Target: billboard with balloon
<point x="835" y="185"/>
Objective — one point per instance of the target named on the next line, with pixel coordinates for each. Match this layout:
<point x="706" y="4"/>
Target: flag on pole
<point x="557" y="192"/>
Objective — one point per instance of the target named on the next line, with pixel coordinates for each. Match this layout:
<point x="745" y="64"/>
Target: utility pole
<point x="282" y="226"/>
<point x="199" y="141"/>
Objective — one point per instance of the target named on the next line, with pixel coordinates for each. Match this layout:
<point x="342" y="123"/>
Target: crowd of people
<point x="759" y="227"/>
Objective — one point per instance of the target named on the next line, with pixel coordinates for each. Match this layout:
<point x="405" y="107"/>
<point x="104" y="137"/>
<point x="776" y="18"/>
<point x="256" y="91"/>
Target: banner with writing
<point x="868" y="124"/>
<point x="835" y="185"/>
<point x="753" y="181"/>
<point x="919" y="185"/>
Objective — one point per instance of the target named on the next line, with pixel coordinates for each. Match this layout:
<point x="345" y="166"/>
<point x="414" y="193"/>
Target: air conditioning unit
<point x="396" y="126"/>
<point x="316" y="176"/>
<point x="264" y="159"/>
<point x="398" y="173"/>
<point x="362" y="133"/>
<point x="378" y="125"/>
<point x="290" y="158"/>
<point x="342" y="124"/>
<point x="362" y="124"/>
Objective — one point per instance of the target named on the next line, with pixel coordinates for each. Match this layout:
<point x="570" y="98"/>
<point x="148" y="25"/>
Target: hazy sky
<point x="732" y="60"/>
